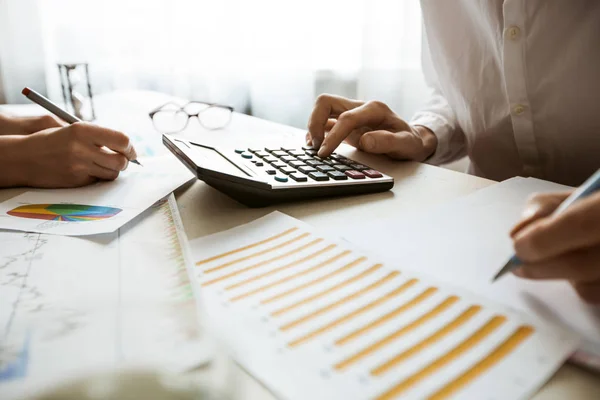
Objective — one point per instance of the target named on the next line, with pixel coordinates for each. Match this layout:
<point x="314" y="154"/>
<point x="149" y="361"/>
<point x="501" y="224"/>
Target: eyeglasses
<point x="173" y="118"/>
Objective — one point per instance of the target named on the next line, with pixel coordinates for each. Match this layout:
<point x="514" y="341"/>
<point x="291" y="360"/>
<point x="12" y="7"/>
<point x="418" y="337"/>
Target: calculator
<point x="259" y="177"/>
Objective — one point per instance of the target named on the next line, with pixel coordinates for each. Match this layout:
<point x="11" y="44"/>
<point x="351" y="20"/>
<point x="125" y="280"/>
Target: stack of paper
<point x="315" y="318"/>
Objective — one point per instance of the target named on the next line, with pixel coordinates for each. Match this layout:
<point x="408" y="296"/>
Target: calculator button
<point x="247" y="155"/>
<point x="279" y="164"/>
<point x="254" y="150"/>
<point x="307" y="169"/>
<point x="371" y="173"/>
<point x="314" y="163"/>
<point x="311" y="152"/>
<point x="342" y="167"/>
<point x="261" y="153"/>
<point x="279" y="153"/>
<point x="305" y="158"/>
<point x="271" y="159"/>
<point x="281" y="178"/>
<point x="287" y="149"/>
<point x="272" y="149"/>
<point x="337" y="157"/>
<point x="297" y="164"/>
<point x="337" y="175"/>
<point x="296" y="153"/>
<point x="259" y="163"/>
<point x="298" y="177"/>
<point x="358" y="167"/>
<point x="328" y="161"/>
<point x="307" y="148"/>
<point x="288" y="170"/>
<point x="239" y="151"/>
<point x="355" y="174"/>
<point x="319" y="176"/>
<point x="325" y="168"/>
<point x="288" y="158"/>
<point x="271" y="171"/>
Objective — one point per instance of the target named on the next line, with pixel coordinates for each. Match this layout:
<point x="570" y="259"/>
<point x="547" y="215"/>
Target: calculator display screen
<point x="209" y="158"/>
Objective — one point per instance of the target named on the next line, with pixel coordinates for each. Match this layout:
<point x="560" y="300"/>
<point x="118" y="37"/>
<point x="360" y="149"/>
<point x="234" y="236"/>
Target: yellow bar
<point x="316" y="281"/>
<point x="258" y="253"/>
<point x="466" y="345"/>
<point x="390" y="338"/>
<point x="246" y="247"/>
<point x="354" y="314"/>
<point x="263" y="263"/>
<point x="497" y="355"/>
<point x="325" y="292"/>
<point x="427" y="293"/>
<point x="428" y="342"/>
<point x="274" y="271"/>
<point x="346" y="299"/>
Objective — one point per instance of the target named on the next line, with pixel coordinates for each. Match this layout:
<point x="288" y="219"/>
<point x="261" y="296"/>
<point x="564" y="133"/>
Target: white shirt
<point x="516" y="86"/>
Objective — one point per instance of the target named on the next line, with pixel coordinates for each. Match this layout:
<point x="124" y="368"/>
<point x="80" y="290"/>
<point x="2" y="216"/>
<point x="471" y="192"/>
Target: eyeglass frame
<point x="190" y="116"/>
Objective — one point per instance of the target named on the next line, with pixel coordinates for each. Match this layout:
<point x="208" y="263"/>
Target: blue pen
<point x="588" y="187"/>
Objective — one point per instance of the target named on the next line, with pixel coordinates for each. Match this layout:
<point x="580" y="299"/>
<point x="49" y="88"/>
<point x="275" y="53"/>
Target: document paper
<point x="314" y="318"/>
<point x="100" y="208"/>
<point x="74" y="306"/>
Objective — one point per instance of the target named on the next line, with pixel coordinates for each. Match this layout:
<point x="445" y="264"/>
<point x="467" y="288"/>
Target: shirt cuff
<point x="441" y="128"/>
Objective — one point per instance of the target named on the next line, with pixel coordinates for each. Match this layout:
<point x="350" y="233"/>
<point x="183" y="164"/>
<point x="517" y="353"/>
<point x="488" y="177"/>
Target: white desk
<point x="205" y="210"/>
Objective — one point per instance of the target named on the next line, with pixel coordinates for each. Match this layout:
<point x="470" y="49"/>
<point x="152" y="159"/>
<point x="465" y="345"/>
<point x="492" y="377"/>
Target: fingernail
<point x="368" y="143"/>
<point x="529" y="212"/>
<point x="322" y="150"/>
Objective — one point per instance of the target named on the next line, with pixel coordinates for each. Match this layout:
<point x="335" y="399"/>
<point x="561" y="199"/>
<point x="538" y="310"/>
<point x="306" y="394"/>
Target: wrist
<point x="14" y="166"/>
<point x="428" y="139"/>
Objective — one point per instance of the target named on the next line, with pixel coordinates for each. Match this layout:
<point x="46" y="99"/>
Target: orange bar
<point x="404" y="330"/>
<point x="263" y="263"/>
<point x="346" y="299"/>
<point x="355" y="313"/>
<point x="247" y="247"/>
<point x="466" y="345"/>
<point x="499" y="353"/>
<point x="258" y="253"/>
<point x="427" y="293"/>
<point x="316" y="281"/>
<point x="273" y="271"/>
<point x="427" y="342"/>
<point x="325" y="292"/>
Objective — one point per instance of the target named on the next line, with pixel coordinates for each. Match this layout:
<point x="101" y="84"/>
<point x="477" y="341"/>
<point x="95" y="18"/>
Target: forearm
<point x="13" y="161"/>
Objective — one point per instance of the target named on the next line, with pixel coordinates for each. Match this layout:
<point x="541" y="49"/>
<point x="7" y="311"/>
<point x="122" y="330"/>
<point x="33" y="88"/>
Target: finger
<point x="105" y="174"/>
<point x="576" y="228"/>
<point x="36" y="124"/>
<point x="539" y="206"/>
<point x="400" y="145"/>
<point x="581" y="265"/>
<point x="108" y="159"/>
<point x="327" y="106"/>
<point x="99" y="136"/>
<point x="372" y="113"/>
<point x="588" y="291"/>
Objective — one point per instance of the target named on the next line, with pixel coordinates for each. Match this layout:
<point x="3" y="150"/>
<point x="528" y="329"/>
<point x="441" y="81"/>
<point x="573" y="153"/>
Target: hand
<point x="370" y="126"/>
<point x="10" y="125"/>
<point x="75" y="155"/>
<point x="566" y="246"/>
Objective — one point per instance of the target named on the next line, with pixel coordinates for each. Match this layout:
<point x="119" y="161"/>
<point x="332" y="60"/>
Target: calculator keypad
<point x="303" y="165"/>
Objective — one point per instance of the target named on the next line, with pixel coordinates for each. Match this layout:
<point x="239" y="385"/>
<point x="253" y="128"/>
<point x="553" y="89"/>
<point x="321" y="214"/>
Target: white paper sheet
<point x="71" y="306"/>
<point x="466" y="242"/>
<point x="100" y="208"/>
<point x="314" y="318"/>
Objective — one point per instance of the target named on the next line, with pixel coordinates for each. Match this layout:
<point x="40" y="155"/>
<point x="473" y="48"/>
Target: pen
<point x="54" y="109"/>
<point x="591" y="185"/>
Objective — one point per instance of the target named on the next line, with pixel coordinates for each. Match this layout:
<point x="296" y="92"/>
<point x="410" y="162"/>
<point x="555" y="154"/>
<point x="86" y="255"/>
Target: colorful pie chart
<point x="64" y="212"/>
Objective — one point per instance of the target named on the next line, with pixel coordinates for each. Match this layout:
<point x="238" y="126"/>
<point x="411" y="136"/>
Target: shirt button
<point x="519" y="109"/>
<point x="514" y="32"/>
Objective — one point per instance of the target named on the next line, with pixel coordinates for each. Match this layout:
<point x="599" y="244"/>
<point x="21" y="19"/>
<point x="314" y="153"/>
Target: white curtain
<point x="267" y="57"/>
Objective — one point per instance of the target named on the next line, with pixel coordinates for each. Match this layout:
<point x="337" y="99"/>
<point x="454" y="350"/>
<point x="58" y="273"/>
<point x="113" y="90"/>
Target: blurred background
<point x="266" y="58"/>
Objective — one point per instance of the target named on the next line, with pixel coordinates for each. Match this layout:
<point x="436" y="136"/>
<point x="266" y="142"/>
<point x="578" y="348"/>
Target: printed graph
<point x="369" y="328"/>
<point x="64" y="212"/>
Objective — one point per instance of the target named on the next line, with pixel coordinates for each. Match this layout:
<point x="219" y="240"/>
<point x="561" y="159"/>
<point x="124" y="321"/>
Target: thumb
<point x="539" y="206"/>
<point x="399" y="145"/>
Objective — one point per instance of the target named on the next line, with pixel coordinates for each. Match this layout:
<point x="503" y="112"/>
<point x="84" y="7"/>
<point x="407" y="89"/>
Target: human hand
<point x="12" y="125"/>
<point x="75" y="155"/>
<point x="565" y="246"/>
<point x="369" y="126"/>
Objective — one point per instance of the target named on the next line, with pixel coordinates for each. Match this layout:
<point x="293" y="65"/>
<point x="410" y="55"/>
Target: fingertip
<point x="323" y="151"/>
<point x="367" y="142"/>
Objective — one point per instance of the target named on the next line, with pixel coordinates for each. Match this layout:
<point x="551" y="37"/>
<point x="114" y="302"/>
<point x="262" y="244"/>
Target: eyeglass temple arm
<point x="157" y="109"/>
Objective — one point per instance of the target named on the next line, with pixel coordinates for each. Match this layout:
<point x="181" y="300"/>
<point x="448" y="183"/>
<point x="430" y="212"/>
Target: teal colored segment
<point x="279" y="178"/>
<point x="247" y="155"/>
<point x="239" y="151"/>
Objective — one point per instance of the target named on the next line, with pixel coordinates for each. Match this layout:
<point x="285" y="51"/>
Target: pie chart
<point x="64" y="212"/>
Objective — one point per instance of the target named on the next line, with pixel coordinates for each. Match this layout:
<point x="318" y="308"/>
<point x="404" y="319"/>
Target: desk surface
<point x="417" y="186"/>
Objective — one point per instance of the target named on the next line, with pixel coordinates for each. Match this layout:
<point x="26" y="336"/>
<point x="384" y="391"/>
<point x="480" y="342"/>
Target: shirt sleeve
<point x="438" y="116"/>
